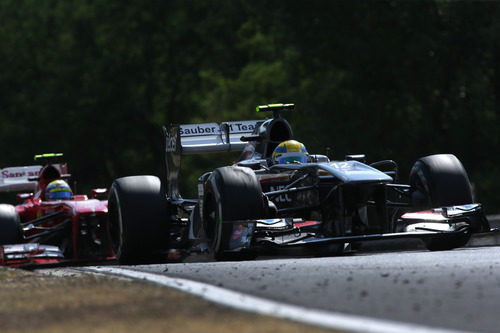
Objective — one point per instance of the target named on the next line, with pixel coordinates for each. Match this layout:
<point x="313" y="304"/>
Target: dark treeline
<point x="96" y="79"/>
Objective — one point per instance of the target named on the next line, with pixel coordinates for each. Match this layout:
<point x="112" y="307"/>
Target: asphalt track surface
<point x="456" y="290"/>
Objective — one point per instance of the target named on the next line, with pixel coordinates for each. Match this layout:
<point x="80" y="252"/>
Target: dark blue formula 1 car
<point x="263" y="205"/>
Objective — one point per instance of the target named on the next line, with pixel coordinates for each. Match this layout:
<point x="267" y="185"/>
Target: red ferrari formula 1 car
<point x="51" y="225"/>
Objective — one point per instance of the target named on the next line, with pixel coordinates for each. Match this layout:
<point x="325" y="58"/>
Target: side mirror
<point x="24" y="196"/>
<point x="318" y="158"/>
<point x="358" y="157"/>
<point x="99" y="193"/>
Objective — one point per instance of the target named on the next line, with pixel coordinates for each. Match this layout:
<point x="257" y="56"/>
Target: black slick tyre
<point x="440" y="181"/>
<point x="448" y="243"/>
<point x="231" y="194"/>
<point x="138" y="218"/>
<point x="10" y="229"/>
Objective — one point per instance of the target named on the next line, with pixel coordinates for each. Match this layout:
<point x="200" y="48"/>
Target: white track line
<point x="241" y="301"/>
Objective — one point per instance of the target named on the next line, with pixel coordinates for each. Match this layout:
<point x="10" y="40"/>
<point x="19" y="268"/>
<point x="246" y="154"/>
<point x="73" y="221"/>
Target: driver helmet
<point x="58" y="190"/>
<point x="290" y="151"/>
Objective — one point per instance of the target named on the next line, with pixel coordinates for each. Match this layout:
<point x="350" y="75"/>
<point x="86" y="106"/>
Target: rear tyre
<point x="10" y="229"/>
<point x="440" y="181"/>
<point x="138" y="218"/>
<point x="231" y="193"/>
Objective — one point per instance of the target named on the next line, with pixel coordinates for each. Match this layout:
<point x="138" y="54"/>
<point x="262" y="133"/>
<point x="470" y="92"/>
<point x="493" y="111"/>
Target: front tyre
<point x="448" y="243"/>
<point x="138" y="218"/>
<point x="440" y="181"/>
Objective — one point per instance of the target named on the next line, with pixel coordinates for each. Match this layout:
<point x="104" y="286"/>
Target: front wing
<point x="443" y="224"/>
<point x="30" y="254"/>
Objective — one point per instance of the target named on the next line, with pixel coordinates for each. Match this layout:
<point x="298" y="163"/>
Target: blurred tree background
<point x="96" y="80"/>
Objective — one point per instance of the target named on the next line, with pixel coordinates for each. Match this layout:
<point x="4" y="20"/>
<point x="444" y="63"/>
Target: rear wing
<point x="210" y="137"/>
<point x="23" y="178"/>
<point x="203" y="138"/>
